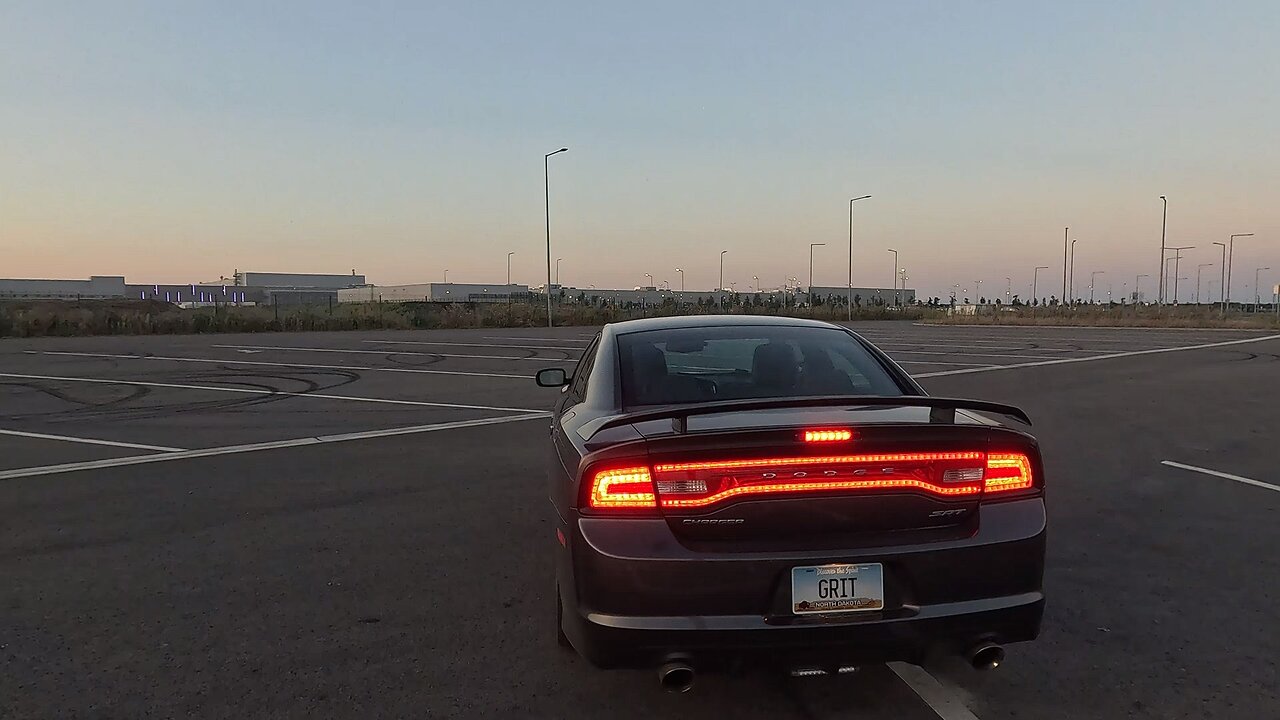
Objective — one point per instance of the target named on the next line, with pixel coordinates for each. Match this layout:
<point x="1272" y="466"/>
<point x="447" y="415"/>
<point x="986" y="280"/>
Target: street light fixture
<point x="1231" y="259"/>
<point x="895" y="276"/>
<point x="849" y="295"/>
<point x="546" y="184"/>
<point x="1093" y="276"/>
<point x="1200" y="267"/>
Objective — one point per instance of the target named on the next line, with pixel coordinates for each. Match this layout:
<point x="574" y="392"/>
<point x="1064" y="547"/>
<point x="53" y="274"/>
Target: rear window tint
<point x="690" y="365"/>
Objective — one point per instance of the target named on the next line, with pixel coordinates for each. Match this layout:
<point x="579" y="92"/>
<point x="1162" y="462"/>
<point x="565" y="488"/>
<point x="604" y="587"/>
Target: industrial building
<point x="248" y="287"/>
<point x="98" y="287"/>
<point x="434" y="292"/>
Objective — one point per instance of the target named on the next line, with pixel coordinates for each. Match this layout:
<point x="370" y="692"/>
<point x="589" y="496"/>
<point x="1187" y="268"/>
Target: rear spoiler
<point x="942" y="410"/>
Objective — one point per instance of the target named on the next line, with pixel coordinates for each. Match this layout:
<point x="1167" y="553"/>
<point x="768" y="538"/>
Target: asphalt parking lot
<point x="343" y="524"/>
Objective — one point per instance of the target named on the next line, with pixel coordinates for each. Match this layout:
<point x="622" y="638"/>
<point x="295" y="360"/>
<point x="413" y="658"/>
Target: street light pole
<point x="446" y="276"/>
<point x="811" y="247"/>
<point x="895" y="276"/>
<point x="1200" y="267"/>
<point x="1065" y="251"/>
<point x="1257" y="289"/>
<point x="1231" y="259"/>
<point x="546" y="184"/>
<point x="1008" y="290"/>
<point x="977" y="290"/>
<point x="1137" y="287"/>
<point x="558" y="271"/>
<point x="1035" y="278"/>
<point x="1177" y="261"/>
<point x="1073" y="269"/>
<point x="513" y="252"/>
<point x="1093" y="276"/>
<point x="720" y="287"/>
<point x="681" y="285"/>
<point x="849" y="294"/>
<point x="1164" y="216"/>
<point x="1222" y="284"/>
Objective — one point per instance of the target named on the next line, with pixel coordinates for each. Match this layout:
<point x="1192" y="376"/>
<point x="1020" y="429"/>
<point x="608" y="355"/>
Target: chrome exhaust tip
<point x="676" y="677"/>
<point x="986" y="656"/>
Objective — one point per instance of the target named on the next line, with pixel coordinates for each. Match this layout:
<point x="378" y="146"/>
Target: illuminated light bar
<point x="623" y="488"/>
<point x="829" y="435"/>
<point x="786" y="488"/>
<point x="821" y="460"/>
<point x="1007" y="472"/>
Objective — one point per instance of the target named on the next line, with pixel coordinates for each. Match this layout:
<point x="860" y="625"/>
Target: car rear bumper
<point x="634" y="597"/>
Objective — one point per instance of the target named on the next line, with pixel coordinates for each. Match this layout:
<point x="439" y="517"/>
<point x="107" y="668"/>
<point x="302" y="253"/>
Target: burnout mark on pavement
<point x="256" y="391"/>
<point x="276" y="364"/>
<point x="1217" y="473"/>
<point x="390" y="352"/>
<point x="257" y="447"/>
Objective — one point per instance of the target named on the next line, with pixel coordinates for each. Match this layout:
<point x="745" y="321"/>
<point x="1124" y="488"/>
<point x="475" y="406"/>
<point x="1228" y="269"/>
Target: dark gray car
<point x="741" y="490"/>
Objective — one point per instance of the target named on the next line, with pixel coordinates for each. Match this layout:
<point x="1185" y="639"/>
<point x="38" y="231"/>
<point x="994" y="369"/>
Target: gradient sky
<point x="179" y="141"/>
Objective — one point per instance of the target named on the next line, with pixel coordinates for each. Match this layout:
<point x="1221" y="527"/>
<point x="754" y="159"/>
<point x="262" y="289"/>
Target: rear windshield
<point x="689" y="365"/>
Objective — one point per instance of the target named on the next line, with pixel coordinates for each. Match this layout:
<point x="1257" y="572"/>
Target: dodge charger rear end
<point x="745" y="490"/>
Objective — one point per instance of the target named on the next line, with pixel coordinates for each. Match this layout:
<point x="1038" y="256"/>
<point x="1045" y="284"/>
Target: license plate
<point x="837" y="588"/>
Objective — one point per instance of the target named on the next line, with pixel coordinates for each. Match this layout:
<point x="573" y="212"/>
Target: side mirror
<point x="552" y="377"/>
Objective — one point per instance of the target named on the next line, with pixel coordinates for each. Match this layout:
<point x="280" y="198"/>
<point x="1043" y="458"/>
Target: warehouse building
<point x="98" y="287"/>
<point x="248" y="287"/>
<point x="435" y="292"/>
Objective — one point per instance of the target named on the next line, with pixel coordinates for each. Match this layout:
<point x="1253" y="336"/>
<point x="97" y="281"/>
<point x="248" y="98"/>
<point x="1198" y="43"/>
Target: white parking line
<point x="1227" y="476"/>
<point x="256" y="447"/>
<point x="1109" y="356"/>
<point x="276" y="364"/>
<point x="939" y="362"/>
<point x="941" y="701"/>
<point x="536" y="339"/>
<point x="89" y="441"/>
<point x="387" y="352"/>
<point x="482" y="345"/>
<point x="974" y="354"/>
<point x="259" y="391"/>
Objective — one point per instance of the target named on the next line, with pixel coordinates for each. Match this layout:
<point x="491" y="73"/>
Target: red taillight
<point x="827" y="435"/>
<point x="692" y="486"/>
<point x="621" y="488"/>
<point x="1007" y="472"/>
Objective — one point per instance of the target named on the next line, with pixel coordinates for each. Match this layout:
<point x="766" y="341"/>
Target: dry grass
<point x="147" y="317"/>
<point x="1118" y="316"/>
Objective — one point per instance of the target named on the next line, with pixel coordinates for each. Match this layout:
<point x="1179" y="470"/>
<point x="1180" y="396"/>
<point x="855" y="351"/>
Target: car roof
<point x="709" y="321"/>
